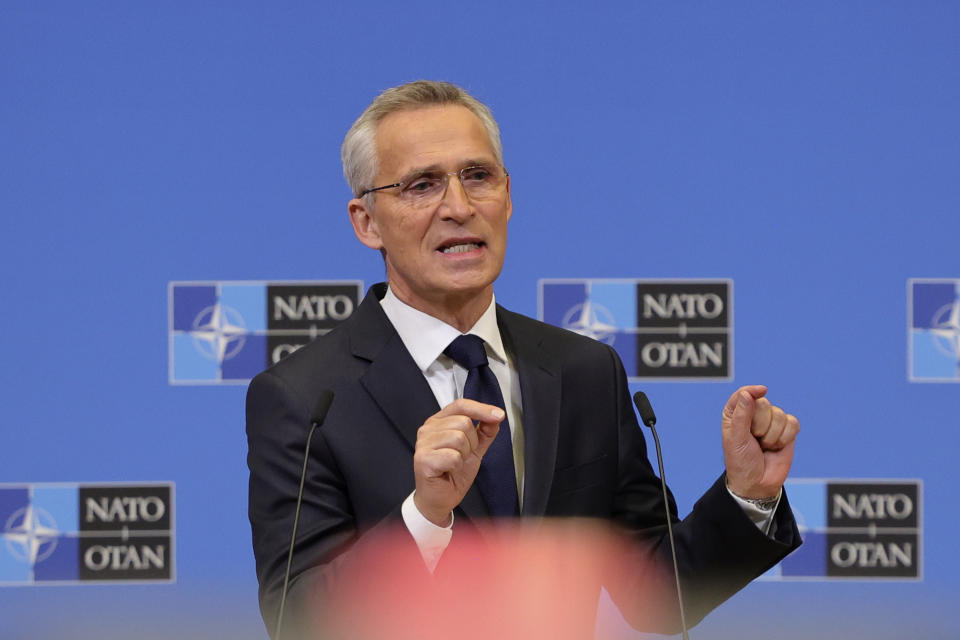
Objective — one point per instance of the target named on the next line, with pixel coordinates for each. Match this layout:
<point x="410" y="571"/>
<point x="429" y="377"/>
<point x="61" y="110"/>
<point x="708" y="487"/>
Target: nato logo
<point x="934" y="330"/>
<point x="854" y="529"/>
<point x="661" y="329"/>
<point x="56" y="534"/>
<point x="228" y="332"/>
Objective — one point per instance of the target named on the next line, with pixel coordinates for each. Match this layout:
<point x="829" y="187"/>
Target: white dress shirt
<point x="425" y="337"/>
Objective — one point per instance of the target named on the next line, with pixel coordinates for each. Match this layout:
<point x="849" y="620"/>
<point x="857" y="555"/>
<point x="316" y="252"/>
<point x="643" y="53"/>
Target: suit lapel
<point x="395" y="382"/>
<point x="399" y="389"/>
<point x="540" y="390"/>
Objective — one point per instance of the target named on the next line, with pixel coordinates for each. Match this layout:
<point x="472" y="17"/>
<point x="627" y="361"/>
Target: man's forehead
<point x="432" y="137"/>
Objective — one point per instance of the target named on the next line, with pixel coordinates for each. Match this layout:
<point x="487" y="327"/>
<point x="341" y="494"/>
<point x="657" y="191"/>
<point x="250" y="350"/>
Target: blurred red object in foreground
<point x="505" y="581"/>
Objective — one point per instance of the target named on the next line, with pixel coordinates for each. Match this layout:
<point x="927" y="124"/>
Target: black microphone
<point x="316" y="419"/>
<point x="644" y="409"/>
<point x="650" y="419"/>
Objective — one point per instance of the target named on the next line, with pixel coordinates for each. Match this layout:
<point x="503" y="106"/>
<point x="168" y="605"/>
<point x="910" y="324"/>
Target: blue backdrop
<point x="809" y="153"/>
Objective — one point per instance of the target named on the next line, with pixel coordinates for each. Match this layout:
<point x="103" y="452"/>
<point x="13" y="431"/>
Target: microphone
<point x="649" y="418"/>
<point x="316" y="419"/>
<point x="645" y="410"/>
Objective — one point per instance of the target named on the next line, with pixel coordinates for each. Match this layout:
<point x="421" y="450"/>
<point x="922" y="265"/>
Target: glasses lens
<point x="481" y="181"/>
<point x="423" y="188"/>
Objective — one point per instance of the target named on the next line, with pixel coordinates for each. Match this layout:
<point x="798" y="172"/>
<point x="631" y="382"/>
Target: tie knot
<point x="467" y="351"/>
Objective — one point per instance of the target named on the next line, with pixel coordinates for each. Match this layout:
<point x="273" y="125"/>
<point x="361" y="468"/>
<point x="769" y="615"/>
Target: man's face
<point x="454" y="249"/>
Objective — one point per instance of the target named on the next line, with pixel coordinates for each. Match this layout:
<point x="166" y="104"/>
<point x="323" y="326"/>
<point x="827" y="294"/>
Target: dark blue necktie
<point x="497" y="478"/>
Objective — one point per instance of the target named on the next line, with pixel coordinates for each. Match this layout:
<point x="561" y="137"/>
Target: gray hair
<point x="359" y="150"/>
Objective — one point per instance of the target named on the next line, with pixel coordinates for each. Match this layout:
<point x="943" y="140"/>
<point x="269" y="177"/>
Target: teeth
<point x="461" y="248"/>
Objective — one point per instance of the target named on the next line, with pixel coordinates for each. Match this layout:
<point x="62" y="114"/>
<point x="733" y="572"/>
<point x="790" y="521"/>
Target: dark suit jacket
<point x="585" y="455"/>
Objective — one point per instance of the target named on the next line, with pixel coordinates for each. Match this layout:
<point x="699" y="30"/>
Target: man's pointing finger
<point x="477" y="411"/>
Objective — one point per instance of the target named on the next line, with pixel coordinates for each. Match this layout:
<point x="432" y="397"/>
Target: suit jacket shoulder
<point x="338" y="357"/>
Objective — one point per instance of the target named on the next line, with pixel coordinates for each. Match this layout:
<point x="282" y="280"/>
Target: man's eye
<point x="477" y="174"/>
<point x="422" y="184"/>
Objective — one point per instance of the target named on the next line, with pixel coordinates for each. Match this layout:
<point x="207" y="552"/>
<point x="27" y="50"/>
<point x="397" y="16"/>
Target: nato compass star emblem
<point x="591" y="320"/>
<point x="946" y="330"/>
<point x="31" y="534"/>
<point x="219" y="332"/>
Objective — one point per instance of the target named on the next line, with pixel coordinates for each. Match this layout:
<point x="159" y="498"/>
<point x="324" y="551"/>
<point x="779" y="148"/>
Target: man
<point x="409" y="440"/>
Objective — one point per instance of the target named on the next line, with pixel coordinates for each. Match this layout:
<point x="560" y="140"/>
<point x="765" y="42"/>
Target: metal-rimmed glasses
<point x="427" y="188"/>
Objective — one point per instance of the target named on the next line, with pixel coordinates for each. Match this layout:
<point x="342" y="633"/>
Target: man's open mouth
<point x="460" y="247"/>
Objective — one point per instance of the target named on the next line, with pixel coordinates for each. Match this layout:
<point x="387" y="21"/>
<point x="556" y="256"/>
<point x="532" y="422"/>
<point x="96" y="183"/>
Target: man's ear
<point x="509" y="199"/>
<point x="364" y="223"/>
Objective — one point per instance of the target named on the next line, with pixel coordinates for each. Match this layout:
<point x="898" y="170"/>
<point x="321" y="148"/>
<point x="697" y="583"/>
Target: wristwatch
<point x="766" y="504"/>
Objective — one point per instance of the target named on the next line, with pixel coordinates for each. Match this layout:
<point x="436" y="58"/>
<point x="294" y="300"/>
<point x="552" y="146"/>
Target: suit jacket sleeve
<point x="719" y="550"/>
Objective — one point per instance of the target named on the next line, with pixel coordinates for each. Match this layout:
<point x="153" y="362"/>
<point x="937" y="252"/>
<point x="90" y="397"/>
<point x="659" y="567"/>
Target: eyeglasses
<point x="479" y="182"/>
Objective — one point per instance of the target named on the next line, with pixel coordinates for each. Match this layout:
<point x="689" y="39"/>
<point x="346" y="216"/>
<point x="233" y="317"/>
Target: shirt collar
<point x="425" y="337"/>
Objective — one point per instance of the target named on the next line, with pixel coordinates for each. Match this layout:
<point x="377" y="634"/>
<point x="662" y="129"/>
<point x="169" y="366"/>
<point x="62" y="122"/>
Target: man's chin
<point x="461" y="282"/>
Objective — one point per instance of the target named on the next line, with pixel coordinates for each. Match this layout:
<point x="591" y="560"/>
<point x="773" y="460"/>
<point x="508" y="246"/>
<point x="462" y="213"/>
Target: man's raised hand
<point x="450" y="446"/>
<point x="758" y="440"/>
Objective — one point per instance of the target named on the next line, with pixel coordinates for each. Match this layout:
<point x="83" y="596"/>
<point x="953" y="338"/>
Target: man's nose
<point x="455" y="203"/>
